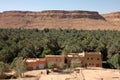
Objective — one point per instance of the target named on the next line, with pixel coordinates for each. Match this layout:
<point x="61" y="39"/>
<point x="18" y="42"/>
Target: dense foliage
<point x="38" y="43"/>
<point x="3" y="68"/>
<point x="51" y="65"/>
<point x="114" y="61"/>
<point x="19" y="66"/>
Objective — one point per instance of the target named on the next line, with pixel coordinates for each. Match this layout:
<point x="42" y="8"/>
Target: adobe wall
<point x="57" y="59"/>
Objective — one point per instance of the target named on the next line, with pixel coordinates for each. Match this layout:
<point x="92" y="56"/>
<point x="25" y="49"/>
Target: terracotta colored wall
<point x="69" y="59"/>
<point x="93" y="60"/>
<point x="36" y="64"/>
<point x="58" y="60"/>
<point x="89" y="60"/>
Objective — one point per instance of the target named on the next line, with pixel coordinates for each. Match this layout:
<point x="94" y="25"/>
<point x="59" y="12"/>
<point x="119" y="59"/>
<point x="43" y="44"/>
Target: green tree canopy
<point x="115" y="61"/>
<point x="3" y="68"/>
<point x="19" y="66"/>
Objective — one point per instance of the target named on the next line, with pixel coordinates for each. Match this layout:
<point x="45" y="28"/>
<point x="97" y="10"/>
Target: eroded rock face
<point x="113" y="18"/>
<point x="71" y="14"/>
<point x="112" y="15"/>
<point x="54" y="14"/>
<point x="89" y="20"/>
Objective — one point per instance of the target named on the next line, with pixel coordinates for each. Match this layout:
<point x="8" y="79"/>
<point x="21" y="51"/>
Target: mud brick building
<point x="85" y="59"/>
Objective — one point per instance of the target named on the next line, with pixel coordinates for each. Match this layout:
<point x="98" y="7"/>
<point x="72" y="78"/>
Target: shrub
<point x="19" y="65"/>
<point x="75" y="63"/>
<point x="51" y="65"/>
<point x="114" y="61"/>
<point x="63" y="66"/>
<point x="3" y="69"/>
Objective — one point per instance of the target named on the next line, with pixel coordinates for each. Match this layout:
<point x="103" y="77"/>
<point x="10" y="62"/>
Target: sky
<point x="102" y="6"/>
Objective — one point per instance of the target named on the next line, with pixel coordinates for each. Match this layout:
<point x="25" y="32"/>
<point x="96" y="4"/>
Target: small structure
<point x="93" y="59"/>
<point x="85" y="59"/>
<point x="36" y="63"/>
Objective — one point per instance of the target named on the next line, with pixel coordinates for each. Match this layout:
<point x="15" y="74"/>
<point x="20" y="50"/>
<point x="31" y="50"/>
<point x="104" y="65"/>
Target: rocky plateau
<point x="86" y="20"/>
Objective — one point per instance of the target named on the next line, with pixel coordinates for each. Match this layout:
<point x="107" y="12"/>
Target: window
<point x="89" y="63"/>
<point x="91" y="58"/>
<point x="97" y="65"/>
<point x="98" y="59"/>
<point x="85" y="64"/>
<point x="87" y="58"/>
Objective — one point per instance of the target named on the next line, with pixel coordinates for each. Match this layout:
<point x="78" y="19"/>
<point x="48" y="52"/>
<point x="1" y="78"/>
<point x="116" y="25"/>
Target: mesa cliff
<point x="88" y="20"/>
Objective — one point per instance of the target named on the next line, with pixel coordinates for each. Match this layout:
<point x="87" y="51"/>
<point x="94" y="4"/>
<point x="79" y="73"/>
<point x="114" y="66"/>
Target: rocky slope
<point x="113" y="18"/>
<point x="88" y="20"/>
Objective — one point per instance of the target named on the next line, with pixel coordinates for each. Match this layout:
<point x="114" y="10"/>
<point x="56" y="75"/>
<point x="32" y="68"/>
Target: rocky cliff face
<point x="53" y="14"/>
<point x="56" y="19"/>
<point x="113" y="18"/>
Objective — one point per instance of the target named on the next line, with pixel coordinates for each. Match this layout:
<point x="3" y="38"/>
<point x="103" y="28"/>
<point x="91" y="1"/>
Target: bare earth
<point x="84" y="74"/>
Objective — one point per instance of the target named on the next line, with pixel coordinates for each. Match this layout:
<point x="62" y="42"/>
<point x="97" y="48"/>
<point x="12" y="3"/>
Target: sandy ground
<point x="84" y="74"/>
<point x="54" y="77"/>
<point x="101" y="74"/>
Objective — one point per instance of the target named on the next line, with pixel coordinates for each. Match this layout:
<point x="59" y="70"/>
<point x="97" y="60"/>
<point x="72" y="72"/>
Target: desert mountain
<point x="88" y="20"/>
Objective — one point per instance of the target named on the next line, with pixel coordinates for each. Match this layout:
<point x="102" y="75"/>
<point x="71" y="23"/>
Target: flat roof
<point x="34" y="59"/>
<point x="92" y="52"/>
<point x="54" y="56"/>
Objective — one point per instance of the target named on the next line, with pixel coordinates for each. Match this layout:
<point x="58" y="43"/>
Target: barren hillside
<point x="113" y="18"/>
<point x="88" y="20"/>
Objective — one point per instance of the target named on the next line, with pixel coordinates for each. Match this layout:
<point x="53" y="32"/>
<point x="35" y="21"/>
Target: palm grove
<point x="34" y="43"/>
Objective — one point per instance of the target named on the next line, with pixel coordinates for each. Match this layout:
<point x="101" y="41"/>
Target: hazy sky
<point x="102" y="6"/>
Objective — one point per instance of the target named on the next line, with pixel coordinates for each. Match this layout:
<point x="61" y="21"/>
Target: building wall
<point x="86" y="59"/>
<point x="89" y="59"/>
<point x="34" y="63"/>
<point x="93" y="59"/>
<point x="58" y="59"/>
